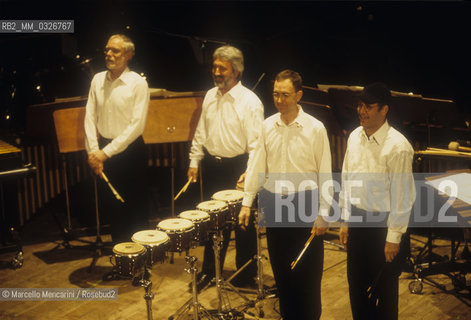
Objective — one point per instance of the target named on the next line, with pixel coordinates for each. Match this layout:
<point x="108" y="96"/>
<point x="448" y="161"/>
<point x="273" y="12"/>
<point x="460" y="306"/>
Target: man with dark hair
<point x="376" y="199"/>
<point x="225" y="137"/>
<point x="115" y="117"/>
<point x="293" y="149"/>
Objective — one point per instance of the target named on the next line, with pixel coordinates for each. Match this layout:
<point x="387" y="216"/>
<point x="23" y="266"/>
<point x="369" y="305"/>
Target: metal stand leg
<point x="172" y="174"/>
<point x="222" y="286"/>
<point x="66" y="231"/>
<point x="262" y="292"/>
<point x="145" y="282"/>
<point x="198" y="309"/>
<point x="98" y="242"/>
<point x="67" y="200"/>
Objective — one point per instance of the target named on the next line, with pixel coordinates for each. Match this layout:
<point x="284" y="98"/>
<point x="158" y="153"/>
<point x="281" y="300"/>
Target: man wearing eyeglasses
<point x="115" y="116"/>
<point x="293" y="150"/>
<point x="377" y="197"/>
<point x="223" y="146"/>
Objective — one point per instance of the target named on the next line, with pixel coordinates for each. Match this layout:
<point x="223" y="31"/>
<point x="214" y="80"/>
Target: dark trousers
<point x="299" y="289"/>
<point x="220" y="175"/>
<point x="367" y="267"/>
<point x="126" y="171"/>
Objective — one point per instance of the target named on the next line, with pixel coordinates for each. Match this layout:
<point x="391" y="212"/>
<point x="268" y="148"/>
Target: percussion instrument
<point x="129" y="258"/>
<point x="201" y="221"/>
<point x="180" y="232"/>
<point x="233" y="198"/>
<point x="156" y="244"/>
<point x="217" y="211"/>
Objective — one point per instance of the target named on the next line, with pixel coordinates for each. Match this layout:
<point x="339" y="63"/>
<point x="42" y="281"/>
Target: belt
<point x="219" y="160"/>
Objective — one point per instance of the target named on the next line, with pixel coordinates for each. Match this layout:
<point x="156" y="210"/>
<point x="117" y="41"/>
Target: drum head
<point x="150" y="237"/>
<point x="194" y="215"/>
<point x="129" y="248"/>
<point x="175" y="224"/>
<point x="229" y="195"/>
<point x="212" y="205"/>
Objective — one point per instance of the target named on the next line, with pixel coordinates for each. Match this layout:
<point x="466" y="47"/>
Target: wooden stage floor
<point x="47" y="265"/>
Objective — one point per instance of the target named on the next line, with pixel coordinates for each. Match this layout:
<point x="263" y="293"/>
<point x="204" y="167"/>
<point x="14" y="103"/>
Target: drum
<point x="129" y="258"/>
<point x="217" y="211"/>
<point x="180" y="232"/>
<point x="233" y="198"/>
<point x="201" y="221"/>
<point x="156" y="244"/>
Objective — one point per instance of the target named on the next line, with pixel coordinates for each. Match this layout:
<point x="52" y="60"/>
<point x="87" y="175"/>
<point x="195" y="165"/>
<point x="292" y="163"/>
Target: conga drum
<point x="156" y="243"/>
<point x="217" y="211"/>
<point x="180" y="232"/>
<point x="129" y="258"/>
<point x="201" y="220"/>
<point x="233" y="198"/>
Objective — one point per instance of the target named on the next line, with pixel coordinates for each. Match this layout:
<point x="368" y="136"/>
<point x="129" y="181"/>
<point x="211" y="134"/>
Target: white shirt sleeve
<point x="91" y="139"/>
<point x="253" y="125"/>
<point x="196" y="150"/>
<point x="257" y="168"/>
<point x="402" y="193"/>
<point x="322" y="153"/>
<point x="344" y="197"/>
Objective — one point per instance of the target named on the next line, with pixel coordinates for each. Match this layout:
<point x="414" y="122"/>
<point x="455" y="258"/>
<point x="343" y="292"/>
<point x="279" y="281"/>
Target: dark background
<point x="419" y="47"/>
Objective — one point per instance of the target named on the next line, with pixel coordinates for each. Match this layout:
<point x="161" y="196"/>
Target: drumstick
<point x="183" y="189"/>
<point x="116" y="194"/>
<point x="293" y="264"/>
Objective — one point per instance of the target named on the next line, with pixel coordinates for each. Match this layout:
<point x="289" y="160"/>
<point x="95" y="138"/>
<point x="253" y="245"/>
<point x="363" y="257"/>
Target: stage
<point x="47" y="265"/>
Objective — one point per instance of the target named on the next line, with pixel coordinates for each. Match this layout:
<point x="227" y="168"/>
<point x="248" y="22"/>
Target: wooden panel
<point x="172" y="120"/>
<point x="70" y="130"/>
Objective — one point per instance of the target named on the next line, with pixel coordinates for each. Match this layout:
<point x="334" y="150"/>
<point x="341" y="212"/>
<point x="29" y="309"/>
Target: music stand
<point x="70" y="133"/>
<point x="172" y="118"/>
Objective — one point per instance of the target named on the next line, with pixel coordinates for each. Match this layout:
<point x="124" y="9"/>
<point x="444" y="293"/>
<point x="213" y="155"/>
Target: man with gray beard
<point x="223" y="146"/>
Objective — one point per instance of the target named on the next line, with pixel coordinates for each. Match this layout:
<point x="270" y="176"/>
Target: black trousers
<point x="299" y="289"/>
<point x="367" y="267"/>
<point x="220" y="175"/>
<point x="126" y="171"/>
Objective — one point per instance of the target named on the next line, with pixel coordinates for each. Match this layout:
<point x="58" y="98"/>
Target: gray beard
<point x="221" y="85"/>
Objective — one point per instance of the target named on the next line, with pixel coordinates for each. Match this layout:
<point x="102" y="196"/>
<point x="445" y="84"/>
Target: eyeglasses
<point x="113" y="50"/>
<point x="282" y="95"/>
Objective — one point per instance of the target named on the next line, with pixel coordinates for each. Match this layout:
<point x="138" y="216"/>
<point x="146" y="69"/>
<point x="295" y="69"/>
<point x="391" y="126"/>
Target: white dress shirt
<point x="377" y="177"/>
<point x="116" y="110"/>
<point x="229" y="124"/>
<point x="295" y="153"/>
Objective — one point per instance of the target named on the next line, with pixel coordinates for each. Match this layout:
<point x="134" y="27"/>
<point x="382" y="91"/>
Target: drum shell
<point x="129" y="265"/>
<point x="217" y="214"/>
<point x="180" y="239"/>
<point x="233" y="212"/>
<point x="218" y="219"/>
<point x="156" y="244"/>
<point x="156" y="253"/>
<point x="233" y="199"/>
<point x="202" y="227"/>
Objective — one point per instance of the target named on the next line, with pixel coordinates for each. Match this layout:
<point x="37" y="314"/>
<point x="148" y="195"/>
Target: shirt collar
<point x="234" y="92"/>
<point x="124" y="77"/>
<point x="379" y="136"/>
<point x="297" y="122"/>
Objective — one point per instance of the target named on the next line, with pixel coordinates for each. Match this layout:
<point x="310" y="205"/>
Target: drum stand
<point x="197" y="307"/>
<point x="144" y="281"/>
<point x="221" y="284"/>
<point x="262" y="292"/>
<point x="98" y="244"/>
